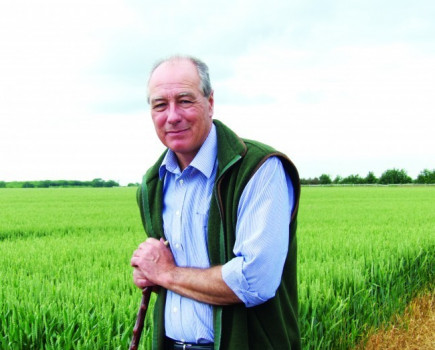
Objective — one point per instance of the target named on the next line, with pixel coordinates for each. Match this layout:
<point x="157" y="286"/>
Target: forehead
<point x="174" y="76"/>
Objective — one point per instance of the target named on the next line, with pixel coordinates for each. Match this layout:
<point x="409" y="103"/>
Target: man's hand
<point x="154" y="265"/>
<point x="151" y="261"/>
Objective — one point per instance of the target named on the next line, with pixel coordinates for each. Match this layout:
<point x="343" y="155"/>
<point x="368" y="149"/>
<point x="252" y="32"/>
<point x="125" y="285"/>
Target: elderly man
<point x="228" y="207"/>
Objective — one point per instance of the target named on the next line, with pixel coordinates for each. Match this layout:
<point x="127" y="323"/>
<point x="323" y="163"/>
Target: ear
<point x="211" y="104"/>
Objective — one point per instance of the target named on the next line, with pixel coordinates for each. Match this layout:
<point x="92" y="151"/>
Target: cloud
<point x="350" y="102"/>
<point x="325" y="82"/>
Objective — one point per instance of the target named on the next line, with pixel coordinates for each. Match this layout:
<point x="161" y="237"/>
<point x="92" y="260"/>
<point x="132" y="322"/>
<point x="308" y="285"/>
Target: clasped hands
<point x="152" y="262"/>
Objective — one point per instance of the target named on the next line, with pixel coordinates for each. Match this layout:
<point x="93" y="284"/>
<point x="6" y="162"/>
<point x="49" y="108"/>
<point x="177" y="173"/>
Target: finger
<point x="138" y="274"/>
<point x="151" y="242"/>
<point x="140" y="280"/>
<point x="166" y="243"/>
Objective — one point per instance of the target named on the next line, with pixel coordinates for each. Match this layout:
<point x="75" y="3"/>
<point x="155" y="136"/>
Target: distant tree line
<point x="388" y="177"/>
<point x="59" y="183"/>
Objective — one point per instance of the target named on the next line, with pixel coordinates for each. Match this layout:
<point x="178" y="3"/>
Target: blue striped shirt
<point x="261" y="235"/>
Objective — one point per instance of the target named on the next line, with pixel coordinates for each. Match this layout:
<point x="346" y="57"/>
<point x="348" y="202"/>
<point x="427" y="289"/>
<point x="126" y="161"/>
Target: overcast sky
<point x="342" y="87"/>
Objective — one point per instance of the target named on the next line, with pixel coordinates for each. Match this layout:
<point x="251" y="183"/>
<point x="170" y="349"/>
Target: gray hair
<point x="201" y="67"/>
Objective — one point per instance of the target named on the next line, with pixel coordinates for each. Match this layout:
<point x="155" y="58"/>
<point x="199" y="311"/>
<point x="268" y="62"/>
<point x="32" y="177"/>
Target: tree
<point x="97" y="182"/>
<point x="315" y="181"/>
<point x="111" y="183"/>
<point x="337" y="179"/>
<point x="325" y="179"/>
<point x="44" y="184"/>
<point x="395" y="176"/>
<point x="2" y="184"/>
<point x="28" y="184"/>
<point x="426" y="177"/>
<point x="371" y="178"/>
<point x="352" y="179"/>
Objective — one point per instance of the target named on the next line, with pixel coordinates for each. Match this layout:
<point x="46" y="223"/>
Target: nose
<point x="174" y="116"/>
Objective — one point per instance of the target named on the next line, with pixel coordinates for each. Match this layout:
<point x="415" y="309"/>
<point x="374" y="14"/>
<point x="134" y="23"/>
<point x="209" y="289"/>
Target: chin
<point x="177" y="147"/>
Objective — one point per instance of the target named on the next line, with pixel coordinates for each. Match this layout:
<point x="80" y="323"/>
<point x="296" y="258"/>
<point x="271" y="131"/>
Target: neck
<point x="184" y="160"/>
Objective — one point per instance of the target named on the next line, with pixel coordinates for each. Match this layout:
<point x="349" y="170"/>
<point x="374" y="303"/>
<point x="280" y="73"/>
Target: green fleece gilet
<point x="271" y="325"/>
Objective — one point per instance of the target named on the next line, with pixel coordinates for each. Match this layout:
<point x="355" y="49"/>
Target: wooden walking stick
<point x="138" y="327"/>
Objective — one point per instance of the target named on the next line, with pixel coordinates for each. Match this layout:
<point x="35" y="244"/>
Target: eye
<point x="185" y="102"/>
<point x="159" y="106"/>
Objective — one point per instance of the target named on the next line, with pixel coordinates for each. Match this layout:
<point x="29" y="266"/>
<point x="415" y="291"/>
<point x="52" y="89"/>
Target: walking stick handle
<point x="138" y="327"/>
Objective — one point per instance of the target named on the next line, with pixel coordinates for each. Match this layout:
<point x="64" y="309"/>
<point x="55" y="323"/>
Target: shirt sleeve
<point x="262" y="235"/>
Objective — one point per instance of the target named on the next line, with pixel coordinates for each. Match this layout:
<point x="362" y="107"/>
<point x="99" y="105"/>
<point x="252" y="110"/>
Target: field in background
<point x="65" y="271"/>
<point x="364" y="252"/>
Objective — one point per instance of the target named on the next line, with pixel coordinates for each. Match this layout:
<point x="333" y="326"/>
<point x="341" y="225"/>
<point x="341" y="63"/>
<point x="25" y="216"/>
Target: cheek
<point x="158" y="120"/>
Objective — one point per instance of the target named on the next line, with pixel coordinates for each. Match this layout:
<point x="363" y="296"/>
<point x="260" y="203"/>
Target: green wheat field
<point x="66" y="280"/>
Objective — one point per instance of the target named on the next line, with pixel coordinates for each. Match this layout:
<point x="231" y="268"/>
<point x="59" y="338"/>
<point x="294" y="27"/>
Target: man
<point x="228" y="209"/>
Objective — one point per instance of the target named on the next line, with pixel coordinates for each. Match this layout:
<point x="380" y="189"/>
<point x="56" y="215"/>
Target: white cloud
<point x="349" y="102"/>
<point x="335" y="86"/>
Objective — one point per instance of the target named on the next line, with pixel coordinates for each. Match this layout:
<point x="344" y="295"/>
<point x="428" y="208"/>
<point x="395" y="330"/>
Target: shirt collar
<point x="204" y="160"/>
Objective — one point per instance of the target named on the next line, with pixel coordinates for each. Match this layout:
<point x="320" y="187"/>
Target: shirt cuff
<point x="232" y="274"/>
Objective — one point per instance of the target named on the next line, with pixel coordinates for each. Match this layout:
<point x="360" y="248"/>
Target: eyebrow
<point x="157" y="99"/>
<point x="181" y="94"/>
<point x="184" y="94"/>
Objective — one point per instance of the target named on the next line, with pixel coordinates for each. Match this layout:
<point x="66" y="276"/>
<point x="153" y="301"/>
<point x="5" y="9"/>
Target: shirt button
<point x="177" y="213"/>
<point x="181" y="182"/>
<point x="174" y="309"/>
<point x="177" y="246"/>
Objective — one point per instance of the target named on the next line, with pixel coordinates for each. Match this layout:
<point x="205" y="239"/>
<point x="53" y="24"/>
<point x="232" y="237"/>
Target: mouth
<point x="176" y="132"/>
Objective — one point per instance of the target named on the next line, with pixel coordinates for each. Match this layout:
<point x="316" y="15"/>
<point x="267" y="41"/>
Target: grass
<point x="364" y="252"/>
<point x="64" y="267"/>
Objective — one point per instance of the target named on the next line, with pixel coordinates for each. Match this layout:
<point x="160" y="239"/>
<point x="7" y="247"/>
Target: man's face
<point x="181" y="114"/>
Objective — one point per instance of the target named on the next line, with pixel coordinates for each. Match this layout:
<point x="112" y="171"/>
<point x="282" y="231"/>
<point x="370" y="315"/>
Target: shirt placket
<point x="177" y="247"/>
<point x="178" y="244"/>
